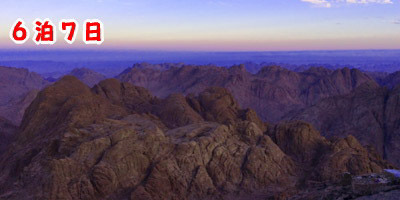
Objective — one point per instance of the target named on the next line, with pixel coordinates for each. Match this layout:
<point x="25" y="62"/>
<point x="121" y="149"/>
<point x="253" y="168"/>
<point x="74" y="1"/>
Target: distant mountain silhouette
<point x="272" y="92"/>
<point x="88" y="76"/>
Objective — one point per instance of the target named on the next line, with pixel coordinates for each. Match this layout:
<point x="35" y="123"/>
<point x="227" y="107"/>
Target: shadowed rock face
<point x="370" y="113"/>
<point x="87" y="76"/>
<point x="272" y="92"/>
<point x="389" y="80"/>
<point x="7" y="131"/>
<point x="392" y="80"/>
<point x="117" y="141"/>
<point x="18" y="88"/>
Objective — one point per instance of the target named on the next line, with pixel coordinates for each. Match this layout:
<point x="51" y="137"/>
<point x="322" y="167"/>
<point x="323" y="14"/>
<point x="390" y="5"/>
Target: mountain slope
<point x="392" y="80"/>
<point x="117" y="141"/>
<point x="389" y="80"/>
<point x="7" y="130"/>
<point x="370" y="113"/>
<point x="18" y="88"/>
<point x="87" y="76"/>
<point x="272" y="92"/>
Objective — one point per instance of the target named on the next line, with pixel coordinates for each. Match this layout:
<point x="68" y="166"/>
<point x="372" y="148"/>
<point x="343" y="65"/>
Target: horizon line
<point x="191" y="51"/>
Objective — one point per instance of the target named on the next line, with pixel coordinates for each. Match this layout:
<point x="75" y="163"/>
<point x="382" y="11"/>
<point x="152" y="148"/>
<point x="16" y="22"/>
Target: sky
<point x="217" y="25"/>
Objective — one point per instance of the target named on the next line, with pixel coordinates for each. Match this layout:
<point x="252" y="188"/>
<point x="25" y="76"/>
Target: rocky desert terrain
<point x="200" y="132"/>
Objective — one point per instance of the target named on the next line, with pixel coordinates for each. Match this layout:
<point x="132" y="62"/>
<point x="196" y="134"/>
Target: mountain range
<point x="337" y="102"/>
<point x="175" y="131"/>
<point x="117" y="141"/>
<point x="272" y="92"/>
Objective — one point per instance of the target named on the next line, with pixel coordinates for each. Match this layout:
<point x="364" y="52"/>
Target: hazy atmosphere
<point x="200" y="100"/>
<point x="221" y="25"/>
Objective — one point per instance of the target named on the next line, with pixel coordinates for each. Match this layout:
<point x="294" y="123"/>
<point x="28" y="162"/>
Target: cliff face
<point x="370" y="113"/>
<point x="272" y="92"/>
<point x="7" y="131"/>
<point x="18" y="87"/>
<point x="117" y="141"/>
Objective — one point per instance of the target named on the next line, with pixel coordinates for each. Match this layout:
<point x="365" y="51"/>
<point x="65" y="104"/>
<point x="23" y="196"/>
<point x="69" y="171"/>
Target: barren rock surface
<point x="272" y="92"/>
<point x="7" y="132"/>
<point x="87" y="76"/>
<point x="18" y="88"/>
<point x="370" y="113"/>
<point x="117" y="141"/>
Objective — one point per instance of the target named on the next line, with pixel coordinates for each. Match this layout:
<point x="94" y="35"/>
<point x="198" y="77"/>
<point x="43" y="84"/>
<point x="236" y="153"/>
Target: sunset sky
<point x="219" y="25"/>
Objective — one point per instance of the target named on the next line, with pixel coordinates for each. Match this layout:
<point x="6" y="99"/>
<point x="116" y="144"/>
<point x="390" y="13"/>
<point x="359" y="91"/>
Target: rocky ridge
<point x="272" y="92"/>
<point x="117" y="141"/>
<point x="87" y="76"/>
<point x="370" y="113"/>
<point x="18" y="88"/>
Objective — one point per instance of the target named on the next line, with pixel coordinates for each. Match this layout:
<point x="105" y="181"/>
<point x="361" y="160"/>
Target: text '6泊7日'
<point x="44" y="31"/>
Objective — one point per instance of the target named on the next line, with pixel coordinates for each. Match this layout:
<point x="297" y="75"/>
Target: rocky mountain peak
<point x="88" y="76"/>
<point x="117" y="141"/>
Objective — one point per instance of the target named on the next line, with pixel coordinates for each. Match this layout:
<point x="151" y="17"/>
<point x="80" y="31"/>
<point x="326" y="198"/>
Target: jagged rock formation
<point x="370" y="113"/>
<point x="117" y="141"/>
<point x="272" y="92"/>
<point x="87" y="76"/>
<point x="18" y="87"/>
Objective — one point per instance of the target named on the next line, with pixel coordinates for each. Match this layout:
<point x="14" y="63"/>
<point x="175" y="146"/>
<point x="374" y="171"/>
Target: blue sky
<point x="220" y="25"/>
